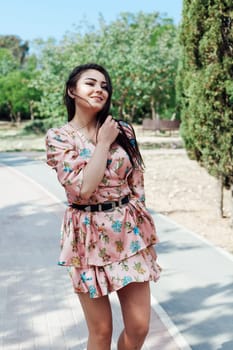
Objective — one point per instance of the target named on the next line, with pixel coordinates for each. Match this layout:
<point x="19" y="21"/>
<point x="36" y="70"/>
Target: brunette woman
<point x="107" y="232"/>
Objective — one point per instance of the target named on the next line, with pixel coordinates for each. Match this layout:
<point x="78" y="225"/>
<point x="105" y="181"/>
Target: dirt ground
<point x="180" y="189"/>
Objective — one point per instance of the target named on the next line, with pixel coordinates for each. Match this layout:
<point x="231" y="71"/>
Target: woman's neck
<point x="81" y="120"/>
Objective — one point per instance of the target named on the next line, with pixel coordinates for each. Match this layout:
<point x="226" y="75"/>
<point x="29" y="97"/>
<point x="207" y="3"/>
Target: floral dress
<point x="104" y="251"/>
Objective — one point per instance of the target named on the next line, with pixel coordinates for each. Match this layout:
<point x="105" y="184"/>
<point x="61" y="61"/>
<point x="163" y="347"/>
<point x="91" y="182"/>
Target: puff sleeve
<point x="136" y="184"/>
<point x="63" y="156"/>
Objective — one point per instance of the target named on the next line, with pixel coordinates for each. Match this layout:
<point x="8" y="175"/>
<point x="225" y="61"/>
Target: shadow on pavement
<point x="200" y="296"/>
<point x="36" y="295"/>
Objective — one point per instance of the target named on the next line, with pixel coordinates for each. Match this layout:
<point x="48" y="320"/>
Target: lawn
<point x="14" y="138"/>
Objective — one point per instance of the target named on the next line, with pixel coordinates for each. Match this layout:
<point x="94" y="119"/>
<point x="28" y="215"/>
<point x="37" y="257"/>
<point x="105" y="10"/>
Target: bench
<point x="160" y="125"/>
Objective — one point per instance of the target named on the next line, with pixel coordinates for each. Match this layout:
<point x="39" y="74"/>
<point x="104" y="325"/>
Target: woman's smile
<point x="98" y="98"/>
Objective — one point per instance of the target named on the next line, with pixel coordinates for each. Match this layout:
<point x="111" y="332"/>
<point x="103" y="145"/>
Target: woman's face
<point x="92" y="90"/>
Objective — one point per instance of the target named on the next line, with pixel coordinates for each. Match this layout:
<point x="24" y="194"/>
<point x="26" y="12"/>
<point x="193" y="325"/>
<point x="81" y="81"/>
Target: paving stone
<point x="38" y="309"/>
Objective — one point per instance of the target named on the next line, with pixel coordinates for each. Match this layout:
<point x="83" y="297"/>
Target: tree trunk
<point x="120" y="109"/>
<point x="18" y="118"/>
<point x="121" y="104"/>
<point x="11" y="113"/>
<point x="221" y="197"/>
<point x="133" y="109"/>
<point x="152" y="106"/>
<point x="231" y="206"/>
<point x="31" y="103"/>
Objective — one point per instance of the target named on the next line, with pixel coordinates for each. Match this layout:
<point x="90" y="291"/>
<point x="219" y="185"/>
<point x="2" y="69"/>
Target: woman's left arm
<point x="136" y="184"/>
<point x="136" y="177"/>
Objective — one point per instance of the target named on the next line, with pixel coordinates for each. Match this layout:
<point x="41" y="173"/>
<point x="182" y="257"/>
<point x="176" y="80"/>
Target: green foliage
<point x="204" y="85"/>
<point x="7" y="62"/>
<point x="18" y="48"/>
<point x="140" y="52"/>
<point x="39" y="126"/>
<point x="17" y="96"/>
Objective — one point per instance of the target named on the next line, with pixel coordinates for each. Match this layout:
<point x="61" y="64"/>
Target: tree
<point x="205" y="85"/>
<point x="53" y="67"/>
<point x="139" y="51"/>
<point x="17" y="95"/>
<point x="15" y="44"/>
<point x="7" y="61"/>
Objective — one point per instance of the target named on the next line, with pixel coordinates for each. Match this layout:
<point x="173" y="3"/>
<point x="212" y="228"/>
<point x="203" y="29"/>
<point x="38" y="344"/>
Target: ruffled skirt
<point x="102" y="280"/>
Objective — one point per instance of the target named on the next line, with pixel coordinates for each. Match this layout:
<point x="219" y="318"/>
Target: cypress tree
<point x="205" y="85"/>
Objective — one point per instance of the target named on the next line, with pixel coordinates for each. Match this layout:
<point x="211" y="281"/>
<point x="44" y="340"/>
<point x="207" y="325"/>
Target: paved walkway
<point x="38" y="309"/>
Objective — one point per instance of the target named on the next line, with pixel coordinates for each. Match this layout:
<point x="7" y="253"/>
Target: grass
<point x="14" y="138"/>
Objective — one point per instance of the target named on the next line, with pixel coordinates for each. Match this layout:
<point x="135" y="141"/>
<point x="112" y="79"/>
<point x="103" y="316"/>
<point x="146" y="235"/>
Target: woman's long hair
<point x="128" y="143"/>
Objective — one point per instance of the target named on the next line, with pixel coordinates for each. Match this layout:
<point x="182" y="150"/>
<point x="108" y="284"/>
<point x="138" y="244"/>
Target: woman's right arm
<point x="95" y="168"/>
<point x="74" y="172"/>
<point x="63" y="157"/>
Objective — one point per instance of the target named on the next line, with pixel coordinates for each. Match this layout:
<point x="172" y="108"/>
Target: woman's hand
<point x="95" y="168"/>
<point x="108" y="132"/>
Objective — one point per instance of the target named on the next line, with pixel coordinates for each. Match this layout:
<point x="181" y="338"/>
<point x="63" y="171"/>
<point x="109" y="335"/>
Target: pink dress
<point x="106" y="250"/>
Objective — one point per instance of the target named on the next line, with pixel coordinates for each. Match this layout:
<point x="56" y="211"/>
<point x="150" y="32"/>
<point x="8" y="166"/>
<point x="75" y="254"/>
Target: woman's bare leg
<point x="98" y="316"/>
<point x="135" y="305"/>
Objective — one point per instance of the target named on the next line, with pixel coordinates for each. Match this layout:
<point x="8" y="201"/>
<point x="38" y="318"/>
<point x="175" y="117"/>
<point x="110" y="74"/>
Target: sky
<point x="31" y="19"/>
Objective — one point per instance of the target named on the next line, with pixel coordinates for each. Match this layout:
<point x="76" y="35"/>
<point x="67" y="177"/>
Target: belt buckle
<point x="120" y="202"/>
<point x="88" y="208"/>
<point x="113" y="204"/>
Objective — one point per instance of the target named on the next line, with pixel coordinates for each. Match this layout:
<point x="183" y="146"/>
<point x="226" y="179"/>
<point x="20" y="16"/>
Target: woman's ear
<point x="70" y="93"/>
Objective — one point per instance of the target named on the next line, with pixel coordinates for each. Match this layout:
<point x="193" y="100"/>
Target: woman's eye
<point x="104" y="87"/>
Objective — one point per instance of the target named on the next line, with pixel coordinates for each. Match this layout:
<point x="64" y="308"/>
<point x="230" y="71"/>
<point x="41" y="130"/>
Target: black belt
<point x="101" y="206"/>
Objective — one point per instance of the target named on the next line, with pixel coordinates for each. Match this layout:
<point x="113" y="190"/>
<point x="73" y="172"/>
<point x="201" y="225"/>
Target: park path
<point x="192" y="303"/>
<point x="38" y="309"/>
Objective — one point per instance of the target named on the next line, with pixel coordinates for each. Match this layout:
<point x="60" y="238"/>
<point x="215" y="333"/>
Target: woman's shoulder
<point x="60" y="133"/>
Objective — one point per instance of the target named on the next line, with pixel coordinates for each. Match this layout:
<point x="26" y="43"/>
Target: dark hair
<point x="128" y="143"/>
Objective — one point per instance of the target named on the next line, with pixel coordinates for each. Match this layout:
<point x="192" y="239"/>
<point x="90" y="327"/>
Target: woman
<point x="107" y="234"/>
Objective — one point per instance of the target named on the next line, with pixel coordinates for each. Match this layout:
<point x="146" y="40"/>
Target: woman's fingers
<point x="109" y="130"/>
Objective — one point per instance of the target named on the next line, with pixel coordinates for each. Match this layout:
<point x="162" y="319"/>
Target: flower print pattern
<point x="58" y="138"/>
<point x="138" y="267"/>
<point x="119" y="246"/>
<point x="76" y="261"/>
<point x="85" y="153"/>
<point x="84" y="277"/>
<point x="126" y="280"/>
<point x="136" y="230"/>
<point x="86" y="221"/>
<point x="116" y="226"/>
<point x="103" y="254"/>
<point x="104" y="237"/>
<point x="103" y="250"/>
<point x="134" y="246"/>
<point x="67" y="168"/>
<point x="92" y="291"/>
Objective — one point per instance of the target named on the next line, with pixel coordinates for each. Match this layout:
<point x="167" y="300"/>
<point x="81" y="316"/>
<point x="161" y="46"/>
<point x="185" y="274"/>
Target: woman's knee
<point x="101" y="330"/>
<point x="137" y="329"/>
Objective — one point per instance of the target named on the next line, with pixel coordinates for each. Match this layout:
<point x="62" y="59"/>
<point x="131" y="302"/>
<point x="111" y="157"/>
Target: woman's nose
<point x="99" y="88"/>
